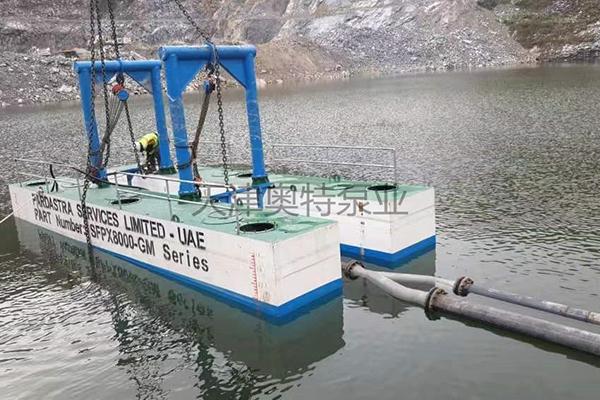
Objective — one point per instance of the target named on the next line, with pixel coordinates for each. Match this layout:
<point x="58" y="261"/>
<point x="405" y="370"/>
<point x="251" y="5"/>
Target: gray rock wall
<point x="297" y="39"/>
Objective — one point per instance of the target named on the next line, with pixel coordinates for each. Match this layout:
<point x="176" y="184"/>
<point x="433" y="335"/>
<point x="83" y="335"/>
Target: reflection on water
<point x="368" y="296"/>
<point x="514" y="158"/>
<point x="233" y="352"/>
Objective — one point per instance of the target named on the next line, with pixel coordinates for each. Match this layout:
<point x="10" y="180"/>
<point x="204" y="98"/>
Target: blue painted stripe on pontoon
<point x="390" y="260"/>
<point x="277" y="314"/>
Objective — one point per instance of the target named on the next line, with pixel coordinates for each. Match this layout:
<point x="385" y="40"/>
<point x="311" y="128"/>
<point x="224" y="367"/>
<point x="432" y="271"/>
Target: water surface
<point x="514" y="157"/>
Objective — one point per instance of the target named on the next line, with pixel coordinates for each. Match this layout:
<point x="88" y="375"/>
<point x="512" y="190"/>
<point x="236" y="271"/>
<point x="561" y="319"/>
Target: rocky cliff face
<point x="297" y="39"/>
<point x="390" y="33"/>
<point x="556" y="30"/>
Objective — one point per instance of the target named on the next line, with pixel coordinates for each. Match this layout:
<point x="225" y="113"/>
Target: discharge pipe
<point x="438" y="299"/>
<point x="464" y="285"/>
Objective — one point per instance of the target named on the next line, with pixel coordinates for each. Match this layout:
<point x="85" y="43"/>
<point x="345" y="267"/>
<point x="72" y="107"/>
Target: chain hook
<point x="120" y="79"/>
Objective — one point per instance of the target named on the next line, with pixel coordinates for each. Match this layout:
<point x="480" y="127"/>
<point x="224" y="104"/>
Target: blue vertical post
<point x="89" y="121"/>
<point x="182" y="64"/>
<point x="182" y="150"/>
<point x="166" y="164"/>
<point x="256" y="145"/>
<point x="259" y="175"/>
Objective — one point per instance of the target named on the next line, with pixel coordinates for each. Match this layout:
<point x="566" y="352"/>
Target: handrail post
<point x="395" y="166"/>
<point x="117" y="192"/>
<point x="237" y="212"/>
<point x="169" y="200"/>
<point x="78" y="187"/>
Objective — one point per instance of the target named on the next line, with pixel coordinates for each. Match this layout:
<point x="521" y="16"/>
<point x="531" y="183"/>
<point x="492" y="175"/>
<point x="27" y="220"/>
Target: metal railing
<point x="393" y="166"/>
<point x="120" y="189"/>
<point x="169" y="198"/>
<point x="47" y="181"/>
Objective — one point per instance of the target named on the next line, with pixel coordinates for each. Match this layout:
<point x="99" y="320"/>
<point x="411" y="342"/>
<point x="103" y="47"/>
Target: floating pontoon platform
<point x="380" y="222"/>
<point x="261" y="261"/>
<point x="268" y="243"/>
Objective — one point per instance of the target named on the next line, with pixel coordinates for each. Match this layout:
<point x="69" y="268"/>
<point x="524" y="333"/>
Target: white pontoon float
<point x="382" y="222"/>
<point x="230" y="238"/>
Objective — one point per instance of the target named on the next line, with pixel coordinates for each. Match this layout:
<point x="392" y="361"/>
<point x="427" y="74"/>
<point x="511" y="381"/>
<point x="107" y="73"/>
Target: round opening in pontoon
<point x="382" y="188"/>
<point x="127" y="200"/>
<point x="258" y="227"/>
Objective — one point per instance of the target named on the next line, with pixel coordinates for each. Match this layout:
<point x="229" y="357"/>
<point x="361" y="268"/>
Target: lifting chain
<point x="221" y="123"/>
<point x="91" y="170"/>
<point x="132" y="139"/>
<point x="90" y="167"/>
<point x="187" y="16"/>
<point x="217" y="73"/>
<point x="106" y="138"/>
<point x="113" y="27"/>
<point x="201" y="120"/>
<point x="121" y="81"/>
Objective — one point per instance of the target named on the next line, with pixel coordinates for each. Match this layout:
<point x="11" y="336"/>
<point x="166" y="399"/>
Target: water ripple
<point x="514" y="158"/>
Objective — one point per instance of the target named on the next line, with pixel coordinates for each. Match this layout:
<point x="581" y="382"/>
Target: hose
<point x="543" y="305"/>
<point x="438" y="299"/>
<point x="464" y="286"/>
<point x="535" y="327"/>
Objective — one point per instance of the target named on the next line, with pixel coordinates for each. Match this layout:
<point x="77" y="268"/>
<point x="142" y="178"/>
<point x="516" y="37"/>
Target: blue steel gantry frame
<point x="182" y="64"/>
<point x="144" y="72"/>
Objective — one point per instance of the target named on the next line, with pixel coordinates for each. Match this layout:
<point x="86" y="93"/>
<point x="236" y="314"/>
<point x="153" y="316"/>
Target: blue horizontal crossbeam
<point x="144" y="72"/>
<point x="206" y="52"/>
<point x="119" y="65"/>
